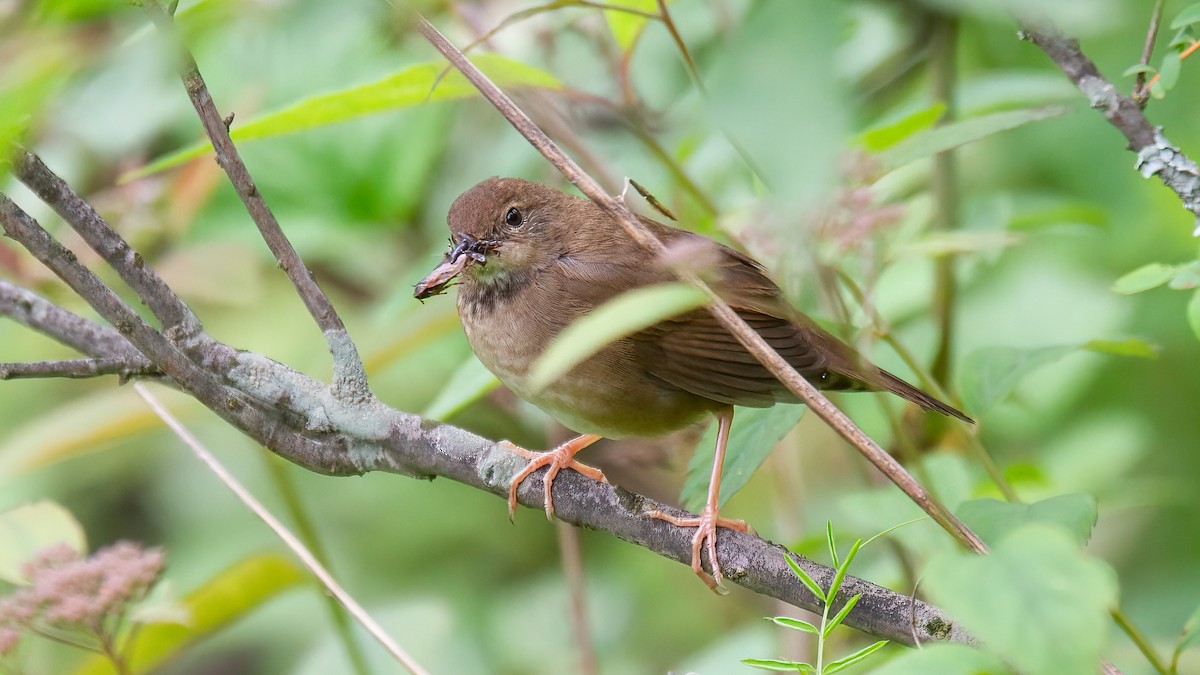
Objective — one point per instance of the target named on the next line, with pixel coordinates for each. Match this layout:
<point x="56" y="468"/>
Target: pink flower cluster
<point x="69" y="592"/>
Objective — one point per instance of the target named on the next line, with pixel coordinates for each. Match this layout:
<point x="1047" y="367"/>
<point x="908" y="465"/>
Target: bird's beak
<point x="466" y="252"/>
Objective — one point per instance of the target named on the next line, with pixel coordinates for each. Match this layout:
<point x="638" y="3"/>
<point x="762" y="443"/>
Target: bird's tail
<point x="906" y="391"/>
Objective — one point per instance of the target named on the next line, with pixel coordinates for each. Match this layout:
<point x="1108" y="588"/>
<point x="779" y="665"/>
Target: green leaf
<point x="990" y="374"/>
<point x="846" y="662"/>
<point x="755" y="432"/>
<point x="627" y="27"/>
<point x="841" y="615"/>
<point x="30" y="528"/>
<point x="836" y="585"/>
<point x="1193" y="313"/>
<point x="788" y="622"/>
<point x="1144" y="278"/>
<point x="620" y="317"/>
<point x="962" y="132"/>
<point x="944" y="659"/>
<point x="1139" y="68"/>
<point x="885" y="136"/>
<point x="1127" y="347"/>
<point x="411" y="86"/>
<point x="1182" y="39"/>
<point x="808" y="581"/>
<point x="225" y="598"/>
<point x="1168" y="73"/>
<point x="992" y="519"/>
<point x="1187" y="16"/>
<point x="1036" y="599"/>
<point x="469" y="383"/>
<point x="829" y="540"/>
<point x="1186" y="277"/>
<point x="780" y="665"/>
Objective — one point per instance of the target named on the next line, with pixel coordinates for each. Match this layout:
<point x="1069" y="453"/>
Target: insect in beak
<point x="466" y="252"/>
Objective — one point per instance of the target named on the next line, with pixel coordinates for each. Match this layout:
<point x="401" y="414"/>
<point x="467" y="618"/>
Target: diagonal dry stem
<point x="293" y="542"/>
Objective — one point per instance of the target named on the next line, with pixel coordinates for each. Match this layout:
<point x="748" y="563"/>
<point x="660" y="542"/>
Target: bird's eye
<point x="513" y="218"/>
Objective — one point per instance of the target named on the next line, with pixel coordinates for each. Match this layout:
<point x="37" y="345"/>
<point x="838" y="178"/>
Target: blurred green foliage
<point x="1052" y="220"/>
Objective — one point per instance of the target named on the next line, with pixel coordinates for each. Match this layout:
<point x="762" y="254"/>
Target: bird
<point x="529" y="259"/>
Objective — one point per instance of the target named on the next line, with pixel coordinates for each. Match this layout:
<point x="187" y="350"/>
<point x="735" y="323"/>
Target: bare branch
<point x="266" y="426"/>
<point x="1156" y="155"/>
<point x="724" y="314"/>
<point x="178" y="321"/>
<point x="303" y="421"/>
<point x="77" y="369"/>
<point x="86" y="336"/>
<point x="373" y="437"/>
<point x="350" y="378"/>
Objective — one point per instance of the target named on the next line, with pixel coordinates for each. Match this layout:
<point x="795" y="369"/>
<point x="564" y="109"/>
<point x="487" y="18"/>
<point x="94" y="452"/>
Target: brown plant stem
<point x="944" y="186"/>
<point x="572" y="564"/>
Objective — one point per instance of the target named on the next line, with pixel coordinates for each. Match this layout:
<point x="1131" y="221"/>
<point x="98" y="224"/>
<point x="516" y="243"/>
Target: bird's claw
<point x="562" y="457"/>
<point x="705" y="539"/>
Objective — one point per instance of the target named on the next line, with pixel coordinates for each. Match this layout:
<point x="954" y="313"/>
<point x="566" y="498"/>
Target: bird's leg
<point x="562" y="457"/>
<point x="708" y="521"/>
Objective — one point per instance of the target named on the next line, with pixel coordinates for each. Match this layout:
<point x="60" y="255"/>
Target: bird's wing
<point x="693" y="352"/>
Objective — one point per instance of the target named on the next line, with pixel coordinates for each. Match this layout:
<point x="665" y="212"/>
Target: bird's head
<point x="498" y="229"/>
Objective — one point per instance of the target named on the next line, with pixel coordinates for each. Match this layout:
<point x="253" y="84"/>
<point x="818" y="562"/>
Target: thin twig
<point x="267" y="425"/>
<point x="881" y="328"/>
<point x="672" y="166"/>
<point x="572" y="564"/>
<point x="293" y="503"/>
<point x="24" y="229"/>
<point x="292" y="542"/>
<point x="944" y="186"/>
<point x="1140" y="641"/>
<point x="754" y="343"/>
<point x="84" y="335"/>
<point x="681" y="46"/>
<point x="178" y="321"/>
<point x="694" y="74"/>
<point x="77" y="369"/>
<point x="1191" y="49"/>
<point x="1140" y="90"/>
<point x="1156" y="155"/>
<point x="530" y="12"/>
<point x="350" y="379"/>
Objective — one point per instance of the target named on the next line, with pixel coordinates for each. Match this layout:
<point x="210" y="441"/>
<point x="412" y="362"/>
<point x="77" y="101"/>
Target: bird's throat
<point x="489" y="288"/>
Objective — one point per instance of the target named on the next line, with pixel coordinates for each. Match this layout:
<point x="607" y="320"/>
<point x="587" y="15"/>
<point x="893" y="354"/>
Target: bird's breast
<point x="607" y="394"/>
